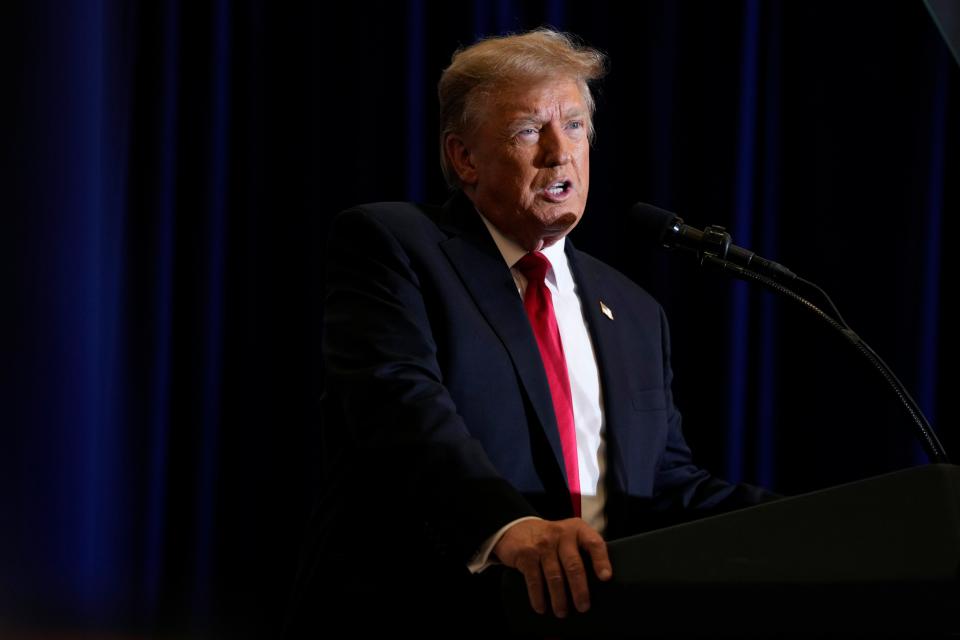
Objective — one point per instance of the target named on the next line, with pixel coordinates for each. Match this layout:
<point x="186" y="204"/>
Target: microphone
<point x="655" y="226"/>
<point x="666" y="229"/>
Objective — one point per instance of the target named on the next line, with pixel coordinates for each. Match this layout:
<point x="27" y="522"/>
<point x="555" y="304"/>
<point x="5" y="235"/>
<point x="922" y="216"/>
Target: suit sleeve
<point x="398" y="422"/>
<point x="679" y="483"/>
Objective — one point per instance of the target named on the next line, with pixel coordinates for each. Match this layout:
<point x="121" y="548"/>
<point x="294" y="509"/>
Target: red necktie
<point x="539" y="306"/>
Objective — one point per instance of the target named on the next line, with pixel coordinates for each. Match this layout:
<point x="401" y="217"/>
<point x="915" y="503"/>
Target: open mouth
<point x="558" y="190"/>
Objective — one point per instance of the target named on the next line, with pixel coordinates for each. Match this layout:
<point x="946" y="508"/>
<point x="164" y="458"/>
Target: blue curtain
<point x="169" y="172"/>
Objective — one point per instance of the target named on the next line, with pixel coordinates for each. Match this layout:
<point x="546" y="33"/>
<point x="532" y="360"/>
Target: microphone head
<point x="650" y="225"/>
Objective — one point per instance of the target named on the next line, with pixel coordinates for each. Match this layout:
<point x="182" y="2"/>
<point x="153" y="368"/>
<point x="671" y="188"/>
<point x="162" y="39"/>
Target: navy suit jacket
<point x="437" y="413"/>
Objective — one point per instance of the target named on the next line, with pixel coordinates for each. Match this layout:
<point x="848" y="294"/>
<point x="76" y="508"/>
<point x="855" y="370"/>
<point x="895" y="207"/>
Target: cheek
<point x="515" y="182"/>
<point x="584" y="154"/>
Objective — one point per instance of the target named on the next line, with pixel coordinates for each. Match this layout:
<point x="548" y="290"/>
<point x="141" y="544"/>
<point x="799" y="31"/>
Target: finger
<point x="575" y="572"/>
<point x="553" y="573"/>
<point x="530" y="568"/>
<point x="597" y="549"/>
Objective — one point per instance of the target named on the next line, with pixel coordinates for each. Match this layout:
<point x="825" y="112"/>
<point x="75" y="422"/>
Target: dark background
<point x="169" y="169"/>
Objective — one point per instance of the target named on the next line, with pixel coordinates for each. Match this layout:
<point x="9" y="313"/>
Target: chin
<point x="563" y="223"/>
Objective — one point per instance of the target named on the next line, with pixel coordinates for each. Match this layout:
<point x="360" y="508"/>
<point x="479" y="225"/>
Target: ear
<point x="460" y="158"/>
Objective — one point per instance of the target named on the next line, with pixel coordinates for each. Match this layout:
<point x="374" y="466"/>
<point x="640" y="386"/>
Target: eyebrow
<point x="531" y="117"/>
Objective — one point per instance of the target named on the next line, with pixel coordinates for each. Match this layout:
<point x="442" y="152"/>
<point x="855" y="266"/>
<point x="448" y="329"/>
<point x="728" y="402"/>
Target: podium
<point x="880" y="555"/>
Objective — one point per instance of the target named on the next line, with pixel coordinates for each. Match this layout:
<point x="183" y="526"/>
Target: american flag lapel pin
<point x="605" y="310"/>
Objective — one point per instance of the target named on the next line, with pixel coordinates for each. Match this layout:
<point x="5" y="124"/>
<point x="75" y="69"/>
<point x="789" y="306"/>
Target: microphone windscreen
<point x="648" y="224"/>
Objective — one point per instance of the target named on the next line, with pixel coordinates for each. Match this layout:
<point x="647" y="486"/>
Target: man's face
<point x="527" y="165"/>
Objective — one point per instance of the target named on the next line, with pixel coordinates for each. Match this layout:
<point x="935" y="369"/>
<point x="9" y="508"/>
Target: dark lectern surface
<point x="878" y="556"/>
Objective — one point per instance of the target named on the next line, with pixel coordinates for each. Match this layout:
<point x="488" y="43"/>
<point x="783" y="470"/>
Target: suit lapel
<point x="593" y="292"/>
<point x="478" y="262"/>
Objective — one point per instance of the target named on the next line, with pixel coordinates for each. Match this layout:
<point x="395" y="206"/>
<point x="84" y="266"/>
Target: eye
<point x="527" y="135"/>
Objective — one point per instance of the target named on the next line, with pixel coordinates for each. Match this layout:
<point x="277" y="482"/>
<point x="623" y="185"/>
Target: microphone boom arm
<point x="926" y="434"/>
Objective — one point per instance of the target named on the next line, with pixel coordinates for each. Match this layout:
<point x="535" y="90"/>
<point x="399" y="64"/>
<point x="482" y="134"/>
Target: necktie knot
<point x="534" y="266"/>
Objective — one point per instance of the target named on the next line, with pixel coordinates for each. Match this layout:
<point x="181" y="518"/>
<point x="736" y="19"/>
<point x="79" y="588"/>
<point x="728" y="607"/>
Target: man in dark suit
<point x="493" y="396"/>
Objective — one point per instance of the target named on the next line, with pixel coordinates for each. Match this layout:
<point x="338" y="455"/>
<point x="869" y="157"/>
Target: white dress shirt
<point x="584" y="383"/>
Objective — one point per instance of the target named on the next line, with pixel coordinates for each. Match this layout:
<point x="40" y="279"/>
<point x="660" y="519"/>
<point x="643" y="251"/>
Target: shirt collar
<point x="512" y="252"/>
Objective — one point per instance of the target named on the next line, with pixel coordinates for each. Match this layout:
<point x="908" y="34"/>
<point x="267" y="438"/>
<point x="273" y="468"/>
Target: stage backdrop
<point x="169" y="170"/>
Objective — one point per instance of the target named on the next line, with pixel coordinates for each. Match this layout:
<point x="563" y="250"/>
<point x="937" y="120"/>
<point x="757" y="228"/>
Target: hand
<point x="541" y="549"/>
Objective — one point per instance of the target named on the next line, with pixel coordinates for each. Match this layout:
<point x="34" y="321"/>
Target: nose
<point x="557" y="147"/>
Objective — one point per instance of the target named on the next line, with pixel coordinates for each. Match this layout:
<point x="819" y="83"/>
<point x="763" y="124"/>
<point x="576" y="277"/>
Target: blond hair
<point x="493" y="63"/>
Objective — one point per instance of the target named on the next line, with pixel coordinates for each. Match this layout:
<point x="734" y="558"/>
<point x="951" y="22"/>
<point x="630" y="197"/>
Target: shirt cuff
<point x="481" y="559"/>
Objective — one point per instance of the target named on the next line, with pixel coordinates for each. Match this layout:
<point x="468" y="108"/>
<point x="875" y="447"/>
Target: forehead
<point x="544" y="100"/>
